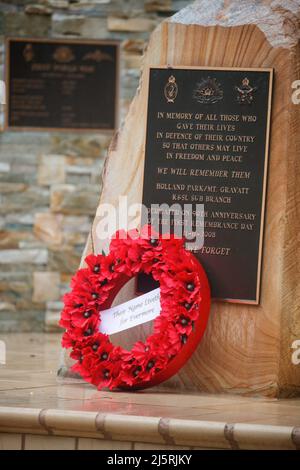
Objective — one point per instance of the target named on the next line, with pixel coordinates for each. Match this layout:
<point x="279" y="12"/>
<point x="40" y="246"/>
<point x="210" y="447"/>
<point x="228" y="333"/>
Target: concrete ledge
<point x="147" y="429"/>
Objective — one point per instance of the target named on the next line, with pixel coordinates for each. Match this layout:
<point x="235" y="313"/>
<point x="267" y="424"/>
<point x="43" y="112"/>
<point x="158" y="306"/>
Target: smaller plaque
<point x="58" y="84"/>
<point x="207" y="144"/>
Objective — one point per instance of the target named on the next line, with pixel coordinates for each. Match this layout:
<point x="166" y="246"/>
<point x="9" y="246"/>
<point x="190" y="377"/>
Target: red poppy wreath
<point x="184" y="301"/>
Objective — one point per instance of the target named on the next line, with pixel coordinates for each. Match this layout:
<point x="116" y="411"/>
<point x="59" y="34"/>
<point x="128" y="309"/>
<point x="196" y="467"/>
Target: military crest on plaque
<point x="63" y="54"/>
<point x="208" y="91"/>
<point x="171" y="90"/>
<point x="28" y="53"/>
<point x="245" y="92"/>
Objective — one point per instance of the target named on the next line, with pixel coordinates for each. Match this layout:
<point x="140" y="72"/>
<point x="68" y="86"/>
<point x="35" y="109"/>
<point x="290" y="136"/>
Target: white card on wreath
<point x="132" y="313"/>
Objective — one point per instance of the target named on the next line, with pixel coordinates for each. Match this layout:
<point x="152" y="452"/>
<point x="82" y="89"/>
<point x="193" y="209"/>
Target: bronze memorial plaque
<point x="207" y="143"/>
<point x="58" y="84"/>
